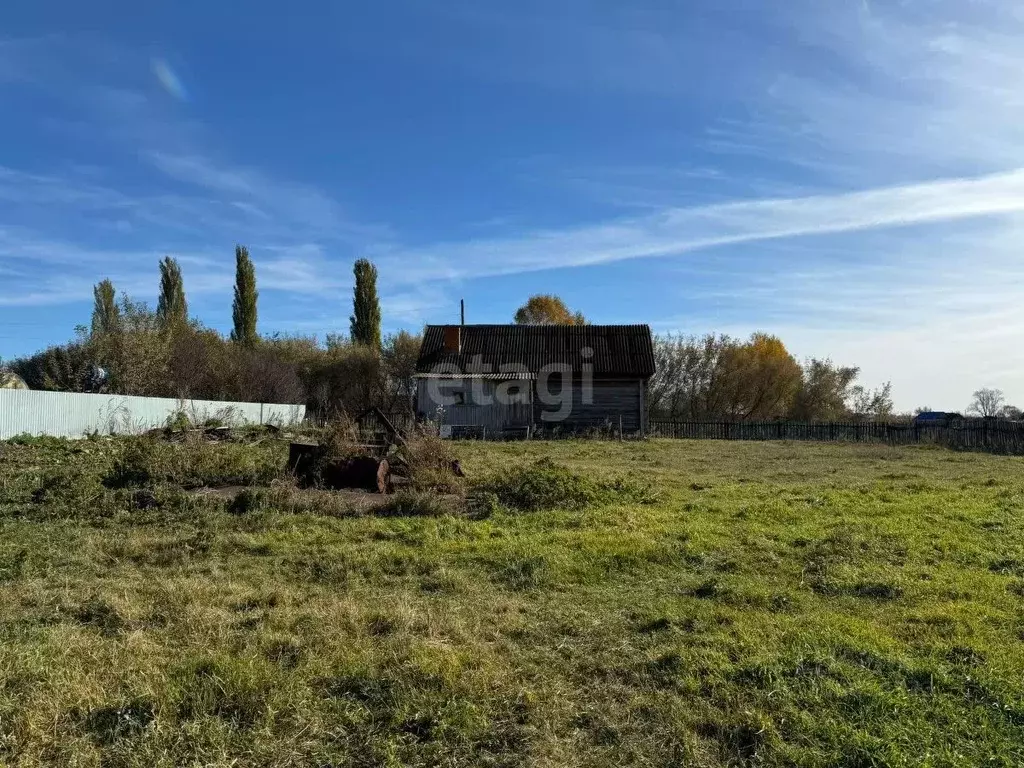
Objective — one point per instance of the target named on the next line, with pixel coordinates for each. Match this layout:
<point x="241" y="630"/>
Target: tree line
<point x="718" y="378"/>
<point x="131" y="349"/>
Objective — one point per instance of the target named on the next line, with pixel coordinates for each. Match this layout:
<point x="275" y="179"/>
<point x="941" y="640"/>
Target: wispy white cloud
<point x="676" y="231"/>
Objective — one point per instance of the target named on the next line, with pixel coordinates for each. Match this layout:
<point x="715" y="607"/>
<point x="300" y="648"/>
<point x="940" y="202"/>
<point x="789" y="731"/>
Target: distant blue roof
<point x="935" y="416"/>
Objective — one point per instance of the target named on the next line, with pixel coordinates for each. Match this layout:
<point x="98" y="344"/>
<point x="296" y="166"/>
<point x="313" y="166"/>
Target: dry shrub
<point x="263" y="375"/>
<point x="430" y="462"/>
<point x="295" y="501"/>
<point x="140" y="355"/>
<point x="340" y="438"/>
<point x="197" y="363"/>
<point x="346" y="378"/>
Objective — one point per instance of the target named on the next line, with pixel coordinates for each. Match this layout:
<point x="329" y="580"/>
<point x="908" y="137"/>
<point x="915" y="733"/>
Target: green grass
<point x="721" y="604"/>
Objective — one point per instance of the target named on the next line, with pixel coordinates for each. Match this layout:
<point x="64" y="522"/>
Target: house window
<point x="458" y="398"/>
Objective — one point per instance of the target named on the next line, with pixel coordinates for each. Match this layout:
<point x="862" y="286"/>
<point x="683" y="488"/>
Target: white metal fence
<point x="71" y="414"/>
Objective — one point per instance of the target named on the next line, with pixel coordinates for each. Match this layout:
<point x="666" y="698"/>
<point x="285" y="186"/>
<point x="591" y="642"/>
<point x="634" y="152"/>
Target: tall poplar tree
<point x="365" y="318"/>
<point x="243" y="311"/>
<point x="171" y="308"/>
<point x="105" y="312"/>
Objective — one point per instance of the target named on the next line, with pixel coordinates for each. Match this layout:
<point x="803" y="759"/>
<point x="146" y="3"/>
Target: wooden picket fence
<point x="980" y="435"/>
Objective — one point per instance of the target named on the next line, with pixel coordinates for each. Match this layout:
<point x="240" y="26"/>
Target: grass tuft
<point x="249" y="501"/>
<point x="415" y="504"/>
<point x="100" y="614"/>
<point x="234" y="690"/>
<point x="109" y="725"/>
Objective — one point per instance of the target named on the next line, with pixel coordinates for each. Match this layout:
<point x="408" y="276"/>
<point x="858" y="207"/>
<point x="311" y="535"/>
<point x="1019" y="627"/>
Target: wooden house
<point x="499" y="379"/>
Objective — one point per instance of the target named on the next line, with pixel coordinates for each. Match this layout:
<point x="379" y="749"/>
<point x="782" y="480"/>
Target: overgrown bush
<point x="178" y="421"/>
<point x="248" y="501"/>
<point x="336" y="460"/>
<point x="340" y="437"/>
<point x="194" y="462"/>
<point x="431" y="463"/>
<point x="543" y="485"/>
<point x="482" y="504"/>
<point x="547" y="485"/>
<point x="67" y="367"/>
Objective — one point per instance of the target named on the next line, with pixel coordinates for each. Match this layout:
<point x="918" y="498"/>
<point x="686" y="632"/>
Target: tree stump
<point x="383" y="476"/>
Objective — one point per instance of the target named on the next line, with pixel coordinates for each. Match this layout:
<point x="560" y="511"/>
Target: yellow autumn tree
<point x="761" y="378"/>
<point x="547" y="309"/>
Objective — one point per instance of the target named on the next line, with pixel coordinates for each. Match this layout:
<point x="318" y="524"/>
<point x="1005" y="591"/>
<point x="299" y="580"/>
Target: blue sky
<point x="848" y="175"/>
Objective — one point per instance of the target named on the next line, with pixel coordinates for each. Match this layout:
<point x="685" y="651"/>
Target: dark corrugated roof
<point x="507" y="376"/>
<point x="616" y="350"/>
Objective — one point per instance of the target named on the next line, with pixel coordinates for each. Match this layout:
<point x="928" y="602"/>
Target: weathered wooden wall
<point x="612" y="402"/>
<point x="480" y="406"/>
<point x="612" y="399"/>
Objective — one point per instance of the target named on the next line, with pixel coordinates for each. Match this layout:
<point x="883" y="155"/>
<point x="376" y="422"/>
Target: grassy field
<point x="761" y="604"/>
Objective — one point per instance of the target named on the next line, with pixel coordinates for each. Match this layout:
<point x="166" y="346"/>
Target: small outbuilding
<point x="494" y="380"/>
